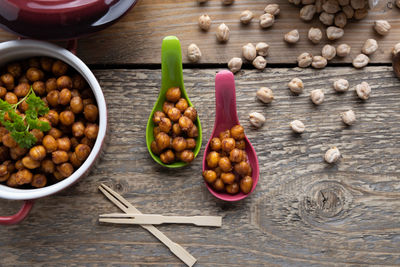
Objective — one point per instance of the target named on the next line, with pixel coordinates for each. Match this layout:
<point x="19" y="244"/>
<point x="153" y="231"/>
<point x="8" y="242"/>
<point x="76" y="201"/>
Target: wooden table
<point x="303" y="212"/>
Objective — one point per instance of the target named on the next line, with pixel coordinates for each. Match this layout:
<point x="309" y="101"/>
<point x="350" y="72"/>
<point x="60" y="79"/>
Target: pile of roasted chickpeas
<point x="175" y="130"/>
<point x="73" y="118"/>
<point x="229" y="168"/>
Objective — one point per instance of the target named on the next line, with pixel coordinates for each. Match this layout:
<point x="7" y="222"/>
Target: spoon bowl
<point x="396" y="64"/>
<point x="171" y="76"/>
<point x="225" y="118"/>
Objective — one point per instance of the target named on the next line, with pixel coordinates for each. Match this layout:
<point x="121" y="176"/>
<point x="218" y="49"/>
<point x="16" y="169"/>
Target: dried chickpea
<point x="91" y="112"/>
<point x="173" y="94"/>
<point x="341" y="85"/>
<point x="326" y="18"/>
<point x="348" y="117"/>
<point x="235" y="64"/>
<point x="210" y="176"/>
<point x="225" y="164"/>
<point x="304" y="60"/>
<point x="64" y="97"/>
<point x="176" y="129"/>
<point x="37" y="152"/>
<point x="222" y="33"/>
<point x="262" y="49"/>
<point x="249" y="52"/>
<point x="167" y="157"/>
<point x="272" y="9"/>
<point x="187" y="156"/>
<point x="266" y="20"/>
<point x="63" y="143"/>
<point x="292" y="37"/>
<point x="56" y="133"/>
<point x="59" y="68"/>
<point x="296" y="85"/>
<point x="246" y="17"/>
<point x="174" y="114"/>
<point x="165" y="125"/>
<point x="360" y="61"/>
<point x="259" y="63"/>
<point x="332" y="155"/>
<point x="50" y="143"/>
<point x="193" y="53"/>
<point x="204" y="22"/>
<point x="163" y="141"/>
<point x="232" y="188"/>
<point x="246" y="184"/>
<point x="343" y="50"/>
<point x="363" y="90"/>
<point x="219" y="185"/>
<point x="216" y="144"/>
<point x="297" y="126"/>
<point x="60" y="156"/>
<point x="317" y="96"/>
<point x="328" y="52"/>
<point x="307" y="12"/>
<point x="23" y="177"/>
<point x="39" y="181"/>
<point x="212" y="159"/>
<point x="370" y="46"/>
<point x="334" y="33"/>
<point x="11" y="98"/>
<point x="30" y="163"/>
<point x="47" y="166"/>
<point x="191" y="113"/>
<point x="185" y="123"/>
<point x="193" y="132"/>
<point x="382" y="27"/>
<point x="243" y="168"/>
<point x="191" y="143"/>
<point x="319" y="62"/>
<point x="348" y="11"/>
<point x="66" y="169"/>
<point x="228" y="177"/>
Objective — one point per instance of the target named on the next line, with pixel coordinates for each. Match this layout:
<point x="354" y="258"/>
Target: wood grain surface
<point x="136" y="39"/>
<point x="303" y="212"/>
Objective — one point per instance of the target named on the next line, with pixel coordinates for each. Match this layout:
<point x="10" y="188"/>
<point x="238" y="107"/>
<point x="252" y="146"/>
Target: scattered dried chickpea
<point x="246" y="17"/>
<point x="249" y="52"/>
<point x="396" y="48"/>
<point x="343" y="50"/>
<point x="235" y="64"/>
<point x="272" y="9"/>
<point x="334" y="33"/>
<point x="319" y="62"/>
<point x="326" y="18"/>
<point x="265" y="95"/>
<point x="340" y="20"/>
<point x="262" y="49"/>
<point x="341" y="85"/>
<point x="296" y="85"/>
<point x="360" y="61"/>
<point x="292" y="37"/>
<point x="222" y="33"/>
<point x="297" y="126"/>
<point x="331" y="6"/>
<point x="348" y="11"/>
<point x="332" y="155"/>
<point x="194" y="53"/>
<point x="348" y="117"/>
<point x="317" y="96"/>
<point x="260" y="62"/>
<point x="307" y="12"/>
<point x="315" y="35"/>
<point x="363" y="90"/>
<point x="205" y="22"/>
<point x="266" y="20"/>
<point x="328" y="52"/>
<point x="370" y="46"/>
<point x="304" y="60"/>
<point x="382" y="27"/>
<point x="256" y="119"/>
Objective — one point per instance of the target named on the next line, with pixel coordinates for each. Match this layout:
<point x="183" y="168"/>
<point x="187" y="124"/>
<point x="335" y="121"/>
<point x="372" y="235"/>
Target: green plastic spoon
<point x="171" y="76"/>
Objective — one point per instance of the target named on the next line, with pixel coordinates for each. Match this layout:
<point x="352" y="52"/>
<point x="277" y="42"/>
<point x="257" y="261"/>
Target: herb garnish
<point x="19" y="126"/>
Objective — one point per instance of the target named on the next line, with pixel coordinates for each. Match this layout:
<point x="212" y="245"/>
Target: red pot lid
<point x="60" y="19"/>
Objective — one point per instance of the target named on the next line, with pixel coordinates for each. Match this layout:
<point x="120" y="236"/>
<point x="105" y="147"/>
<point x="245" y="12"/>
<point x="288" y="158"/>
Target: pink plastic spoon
<point x="225" y="118"/>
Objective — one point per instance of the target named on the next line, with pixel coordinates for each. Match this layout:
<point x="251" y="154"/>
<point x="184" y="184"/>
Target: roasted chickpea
<point x="50" y="143"/>
<point x="7" y="80"/>
<point x="88" y="94"/>
<point x="44" y="120"/>
<point x="225" y="164"/>
<point x="236" y="155"/>
<point x="19" y="151"/>
<point x="4" y="153"/>
<point x="64" y="82"/>
<point x="53" y="98"/>
<point x="174" y="114"/>
<point x="246" y="184"/>
<point x="191" y="143"/>
<point x="3" y="132"/>
<point x="64" y="144"/>
<point x="65" y="97"/>
<point x="23" y="79"/>
<point x="74" y="142"/>
<point x="47" y="166"/>
<point x="218" y="171"/>
<point x="215" y="144"/>
<point x="59" y="68"/>
<point x="23" y="177"/>
<point x="8" y="141"/>
<point x="232" y="188"/>
<point x="75" y="93"/>
<point x="11" y="98"/>
<point x="179" y="144"/>
<point x="39" y="88"/>
<point x="56" y="133"/>
<point x="156" y="130"/>
<point x="76" y="105"/>
<point x="237" y="132"/>
<point x="191" y="113"/>
<point x="18" y="165"/>
<point x="78" y="82"/>
<point x="187" y="156"/>
<point x="228" y="177"/>
<point x="167" y="157"/>
<point x="37" y="152"/>
<point x="30" y="163"/>
<point x="185" y="123"/>
<point x="78" y="129"/>
<point x="182" y="105"/>
<point x="91" y="112"/>
<point x="53" y="117"/>
<point x="14" y="69"/>
<point x="12" y="180"/>
<point x="21" y="89"/>
<point x="225" y="134"/>
<point x="163" y="141"/>
<point x="240" y="144"/>
<point x="67" y="118"/>
<point x="66" y="169"/>
<point x="60" y="156"/>
<point x="3" y="170"/>
<point x="210" y="176"/>
<point x="158" y="115"/>
<point x="173" y="94"/>
<point x="165" y="125"/>
<point x="51" y="85"/>
<point x="213" y="159"/>
<point x="228" y="144"/>
<point x="74" y="160"/>
<point x="3" y="91"/>
<point x="87" y="141"/>
<point x="82" y="151"/>
<point x="38" y="134"/>
<point x="34" y="74"/>
<point x="91" y="131"/>
<point x="46" y="63"/>
<point x="243" y="168"/>
<point x="193" y="132"/>
<point x="34" y="62"/>
<point x="219" y="185"/>
<point x="167" y="106"/>
<point x="154" y="148"/>
<point x="39" y="181"/>
<point x="176" y="129"/>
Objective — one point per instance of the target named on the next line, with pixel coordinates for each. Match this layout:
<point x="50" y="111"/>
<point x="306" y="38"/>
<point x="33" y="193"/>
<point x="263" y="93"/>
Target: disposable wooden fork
<point x="127" y="207"/>
<point x="122" y="218"/>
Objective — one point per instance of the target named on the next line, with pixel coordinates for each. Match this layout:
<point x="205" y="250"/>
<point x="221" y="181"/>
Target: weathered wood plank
<point x="137" y="37"/>
<point x="303" y="212"/>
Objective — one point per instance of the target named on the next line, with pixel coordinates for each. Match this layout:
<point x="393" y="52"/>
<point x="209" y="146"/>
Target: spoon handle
<point x="171" y="64"/>
<point x="225" y="99"/>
